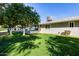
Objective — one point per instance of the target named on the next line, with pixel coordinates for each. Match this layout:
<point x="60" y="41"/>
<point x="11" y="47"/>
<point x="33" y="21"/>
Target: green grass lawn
<point x="39" y="45"/>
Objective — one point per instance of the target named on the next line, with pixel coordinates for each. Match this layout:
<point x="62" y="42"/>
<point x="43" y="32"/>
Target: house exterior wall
<point x="74" y="30"/>
<point x="58" y="28"/>
<point x="76" y="23"/>
<point x="64" y="24"/>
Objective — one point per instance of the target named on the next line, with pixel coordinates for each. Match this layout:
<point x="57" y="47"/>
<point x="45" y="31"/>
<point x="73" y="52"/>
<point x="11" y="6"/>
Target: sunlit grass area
<point x="3" y="29"/>
<point x="38" y="45"/>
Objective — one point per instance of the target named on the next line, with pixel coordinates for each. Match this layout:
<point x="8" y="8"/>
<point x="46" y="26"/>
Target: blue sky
<point x="56" y="10"/>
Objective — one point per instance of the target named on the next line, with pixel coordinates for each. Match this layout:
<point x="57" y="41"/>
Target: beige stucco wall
<point x="64" y="24"/>
<point x="74" y="30"/>
<point x="76" y="23"/>
<point x="55" y="25"/>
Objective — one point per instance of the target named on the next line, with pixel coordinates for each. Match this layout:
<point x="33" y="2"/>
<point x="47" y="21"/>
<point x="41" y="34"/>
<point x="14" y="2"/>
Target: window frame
<point x="70" y="24"/>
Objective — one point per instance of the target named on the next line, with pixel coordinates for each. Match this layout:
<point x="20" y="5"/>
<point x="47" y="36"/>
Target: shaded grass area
<point x="63" y="46"/>
<point x="17" y="44"/>
<point x="38" y="45"/>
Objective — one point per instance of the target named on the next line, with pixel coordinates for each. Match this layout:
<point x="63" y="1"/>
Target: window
<point x="47" y="27"/>
<point x="71" y="24"/>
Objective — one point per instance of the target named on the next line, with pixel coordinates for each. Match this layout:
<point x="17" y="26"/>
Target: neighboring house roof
<point x="76" y="18"/>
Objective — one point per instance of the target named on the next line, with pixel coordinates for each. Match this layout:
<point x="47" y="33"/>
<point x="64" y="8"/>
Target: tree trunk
<point x="23" y="31"/>
<point x="29" y="30"/>
<point x="10" y="31"/>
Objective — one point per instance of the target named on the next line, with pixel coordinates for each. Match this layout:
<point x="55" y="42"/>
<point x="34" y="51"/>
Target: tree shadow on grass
<point x="18" y="44"/>
<point x="63" y="46"/>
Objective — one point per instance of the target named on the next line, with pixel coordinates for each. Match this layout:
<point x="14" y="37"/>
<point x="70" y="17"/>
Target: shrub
<point x="17" y="33"/>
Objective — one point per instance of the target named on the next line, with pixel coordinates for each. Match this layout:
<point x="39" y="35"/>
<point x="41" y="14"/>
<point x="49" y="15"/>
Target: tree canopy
<point x="19" y="14"/>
